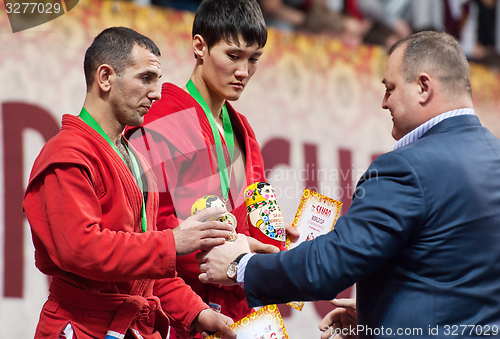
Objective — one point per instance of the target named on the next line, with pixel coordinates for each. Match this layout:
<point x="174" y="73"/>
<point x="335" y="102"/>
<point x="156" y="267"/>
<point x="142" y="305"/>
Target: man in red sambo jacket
<point x="92" y="204"/>
<point x="179" y="140"/>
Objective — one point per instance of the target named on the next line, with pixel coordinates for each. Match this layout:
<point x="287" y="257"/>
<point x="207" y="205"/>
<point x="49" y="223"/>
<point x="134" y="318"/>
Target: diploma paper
<point x="315" y="216"/>
<point x="266" y="323"/>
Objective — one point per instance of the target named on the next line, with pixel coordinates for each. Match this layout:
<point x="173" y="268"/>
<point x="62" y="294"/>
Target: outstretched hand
<point x="341" y="323"/>
<point x="214" y="263"/>
<point x="208" y="322"/>
<point x="196" y="233"/>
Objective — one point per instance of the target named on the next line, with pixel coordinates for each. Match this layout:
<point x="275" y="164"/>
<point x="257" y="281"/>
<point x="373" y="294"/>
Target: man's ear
<point x="199" y="46"/>
<point x="105" y="76"/>
<point x="426" y="85"/>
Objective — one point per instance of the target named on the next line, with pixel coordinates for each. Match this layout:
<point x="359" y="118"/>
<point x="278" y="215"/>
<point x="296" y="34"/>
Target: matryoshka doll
<point x="213" y="201"/>
<point x="264" y="216"/>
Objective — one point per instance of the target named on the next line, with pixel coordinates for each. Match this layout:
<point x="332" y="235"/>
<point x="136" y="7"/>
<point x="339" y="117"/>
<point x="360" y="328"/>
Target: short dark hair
<point x="113" y="46"/>
<point x="227" y="19"/>
<point x="438" y="53"/>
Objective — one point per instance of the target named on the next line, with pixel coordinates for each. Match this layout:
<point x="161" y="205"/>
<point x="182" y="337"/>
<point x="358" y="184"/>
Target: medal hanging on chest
<point x="224" y="173"/>
<point x="89" y="120"/>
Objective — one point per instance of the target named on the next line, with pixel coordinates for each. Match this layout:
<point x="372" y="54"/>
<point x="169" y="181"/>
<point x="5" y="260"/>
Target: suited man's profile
<point x="422" y="243"/>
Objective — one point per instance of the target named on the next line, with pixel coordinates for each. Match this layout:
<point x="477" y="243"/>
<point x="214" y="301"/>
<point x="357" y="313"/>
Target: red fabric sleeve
<point x="179" y="302"/>
<point x="63" y="198"/>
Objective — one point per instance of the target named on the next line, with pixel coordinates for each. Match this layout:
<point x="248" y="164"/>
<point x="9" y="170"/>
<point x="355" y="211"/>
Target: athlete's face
<point x="136" y="87"/>
<point x="228" y="67"/>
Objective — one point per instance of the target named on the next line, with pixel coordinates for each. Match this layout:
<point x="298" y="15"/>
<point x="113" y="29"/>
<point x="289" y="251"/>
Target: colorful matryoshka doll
<point x="264" y="216"/>
<point x="213" y="201"/>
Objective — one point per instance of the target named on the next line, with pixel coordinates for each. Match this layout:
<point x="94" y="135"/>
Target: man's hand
<point x="292" y="232"/>
<point x="195" y="233"/>
<point x="208" y="322"/>
<point x="214" y="263"/>
<point x="340" y="323"/>
<point x="259" y="247"/>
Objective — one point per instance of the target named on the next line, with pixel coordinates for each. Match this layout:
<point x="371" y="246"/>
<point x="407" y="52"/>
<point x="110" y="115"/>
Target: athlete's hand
<point x="214" y="263"/>
<point x="195" y="233"/>
<point x="340" y="323"/>
<point x="208" y="322"/>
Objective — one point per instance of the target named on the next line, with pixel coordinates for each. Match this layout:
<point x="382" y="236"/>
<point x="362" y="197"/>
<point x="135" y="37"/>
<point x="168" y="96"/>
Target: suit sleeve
<point x="387" y="209"/>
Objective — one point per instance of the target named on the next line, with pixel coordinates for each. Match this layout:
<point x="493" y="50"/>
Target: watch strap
<point x="233" y="266"/>
<point x="238" y="258"/>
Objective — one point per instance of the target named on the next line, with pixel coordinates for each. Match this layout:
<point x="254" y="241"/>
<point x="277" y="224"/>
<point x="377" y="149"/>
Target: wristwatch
<point x="232" y="269"/>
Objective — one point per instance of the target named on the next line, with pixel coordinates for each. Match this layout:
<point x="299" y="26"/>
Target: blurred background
<point x="314" y="103"/>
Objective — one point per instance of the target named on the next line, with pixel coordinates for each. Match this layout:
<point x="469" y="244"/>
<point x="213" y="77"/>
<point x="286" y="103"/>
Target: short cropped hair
<point x="113" y="46"/>
<point x="227" y="19"/>
<point x="439" y="54"/>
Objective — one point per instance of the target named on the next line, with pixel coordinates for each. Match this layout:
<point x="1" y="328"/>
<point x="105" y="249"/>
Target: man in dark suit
<point x="422" y="236"/>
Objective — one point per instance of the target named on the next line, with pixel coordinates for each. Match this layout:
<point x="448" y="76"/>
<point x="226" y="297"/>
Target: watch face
<point x="231" y="270"/>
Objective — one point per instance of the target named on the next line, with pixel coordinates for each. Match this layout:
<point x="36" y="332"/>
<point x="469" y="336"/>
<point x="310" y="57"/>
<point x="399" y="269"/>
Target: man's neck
<point x="447" y="102"/>
<point x="214" y="102"/>
<point x="106" y="120"/>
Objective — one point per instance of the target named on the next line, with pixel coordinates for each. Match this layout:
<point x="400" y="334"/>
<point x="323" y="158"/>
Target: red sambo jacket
<point x="84" y="209"/>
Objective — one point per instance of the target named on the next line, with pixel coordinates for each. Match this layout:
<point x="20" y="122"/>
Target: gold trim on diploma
<point x="316" y="215"/>
<point x="266" y="323"/>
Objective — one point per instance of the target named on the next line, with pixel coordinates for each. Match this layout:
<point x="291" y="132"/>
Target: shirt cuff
<point x="242" y="265"/>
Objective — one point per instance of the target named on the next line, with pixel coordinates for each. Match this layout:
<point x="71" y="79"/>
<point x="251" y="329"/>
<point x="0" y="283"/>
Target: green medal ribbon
<point x="225" y="177"/>
<point x="89" y="120"/>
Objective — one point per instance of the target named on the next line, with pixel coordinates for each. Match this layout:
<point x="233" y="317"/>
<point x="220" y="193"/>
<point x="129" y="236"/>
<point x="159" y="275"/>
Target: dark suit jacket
<point x="421" y="240"/>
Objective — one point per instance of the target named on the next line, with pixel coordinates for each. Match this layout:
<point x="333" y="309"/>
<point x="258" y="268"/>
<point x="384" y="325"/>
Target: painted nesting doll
<point x="213" y="201"/>
<point x="264" y="216"/>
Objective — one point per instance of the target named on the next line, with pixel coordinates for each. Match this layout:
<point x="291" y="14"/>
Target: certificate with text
<point x="266" y="323"/>
<point x="316" y="215"/>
